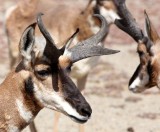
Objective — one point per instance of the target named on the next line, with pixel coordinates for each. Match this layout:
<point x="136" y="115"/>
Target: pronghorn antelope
<point x="63" y="20"/>
<point x="147" y="73"/>
<point x="41" y="78"/>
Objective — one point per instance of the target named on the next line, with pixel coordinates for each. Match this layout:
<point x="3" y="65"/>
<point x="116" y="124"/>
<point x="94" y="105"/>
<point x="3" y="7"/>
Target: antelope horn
<point x="44" y="30"/>
<point x="69" y="41"/>
<point x="90" y="47"/>
<point x="127" y="23"/>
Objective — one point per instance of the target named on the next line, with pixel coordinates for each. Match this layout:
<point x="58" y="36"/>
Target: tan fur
<point x="154" y="75"/>
<point x="10" y="91"/>
<point x="141" y="47"/>
<point x="64" y="61"/>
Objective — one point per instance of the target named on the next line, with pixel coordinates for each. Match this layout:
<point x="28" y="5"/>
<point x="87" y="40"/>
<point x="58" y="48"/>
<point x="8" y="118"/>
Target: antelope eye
<point x="69" y="68"/>
<point x="43" y="73"/>
<point x="140" y="53"/>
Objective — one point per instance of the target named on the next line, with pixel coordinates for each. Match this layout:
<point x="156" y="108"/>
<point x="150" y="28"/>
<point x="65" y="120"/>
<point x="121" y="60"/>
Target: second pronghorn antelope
<point x="41" y="78"/>
<point x="147" y="73"/>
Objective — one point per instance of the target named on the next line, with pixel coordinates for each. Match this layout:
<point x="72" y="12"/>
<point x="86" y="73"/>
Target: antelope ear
<point x="150" y="30"/>
<point x="27" y="42"/>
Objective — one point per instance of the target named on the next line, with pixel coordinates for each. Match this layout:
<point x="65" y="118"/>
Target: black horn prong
<point x="127" y="23"/>
<point x="50" y="46"/>
<point x="69" y="41"/>
<point x="43" y="29"/>
<point x="98" y="37"/>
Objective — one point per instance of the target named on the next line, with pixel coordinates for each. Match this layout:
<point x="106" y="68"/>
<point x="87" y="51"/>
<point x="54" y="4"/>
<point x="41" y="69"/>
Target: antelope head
<point x="104" y="7"/>
<point x="46" y="69"/>
<point x="147" y="72"/>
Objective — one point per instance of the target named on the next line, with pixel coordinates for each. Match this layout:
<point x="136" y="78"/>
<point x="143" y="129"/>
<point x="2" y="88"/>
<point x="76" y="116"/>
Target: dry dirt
<point x="115" y="108"/>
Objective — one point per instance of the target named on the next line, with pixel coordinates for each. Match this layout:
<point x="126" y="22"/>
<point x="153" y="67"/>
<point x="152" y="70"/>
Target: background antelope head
<point x="104" y="7"/>
<point x="147" y="72"/>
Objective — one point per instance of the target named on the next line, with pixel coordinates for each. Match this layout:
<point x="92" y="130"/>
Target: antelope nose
<point x="85" y="111"/>
<point x="131" y="88"/>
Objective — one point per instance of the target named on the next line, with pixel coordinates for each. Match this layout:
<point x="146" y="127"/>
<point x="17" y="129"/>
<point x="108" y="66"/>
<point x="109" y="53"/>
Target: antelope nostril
<point x="131" y="88"/>
<point x="86" y="111"/>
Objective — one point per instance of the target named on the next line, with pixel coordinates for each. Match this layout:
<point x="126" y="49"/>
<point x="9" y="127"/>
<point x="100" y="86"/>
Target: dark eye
<point x="43" y="73"/>
<point x="69" y="68"/>
<point x="140" y="53"/>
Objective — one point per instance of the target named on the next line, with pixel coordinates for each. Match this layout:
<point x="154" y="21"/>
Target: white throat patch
<point x="23" y="112"/>
<point x="12" y="128"/>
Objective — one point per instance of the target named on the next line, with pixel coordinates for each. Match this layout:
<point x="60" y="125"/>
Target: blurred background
<point x="115" y="108"/>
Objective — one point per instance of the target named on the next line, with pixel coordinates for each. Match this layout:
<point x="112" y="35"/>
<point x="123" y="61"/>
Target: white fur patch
<point x="53" y="100"/>
<point x="40" y="43"/>
<point x="135" y="83"/>
<point x="110" y="15"/>
<point x="12" y="128"/>
<point x="24" y="113"/>
<point x="88" y="64"/>
<point x="67" y="53"/>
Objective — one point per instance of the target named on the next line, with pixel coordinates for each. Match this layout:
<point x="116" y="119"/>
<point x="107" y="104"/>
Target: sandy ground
<point x="115" y="108"/>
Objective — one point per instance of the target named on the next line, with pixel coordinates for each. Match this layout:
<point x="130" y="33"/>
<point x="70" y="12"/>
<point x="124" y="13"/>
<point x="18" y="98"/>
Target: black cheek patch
<point x="29" y="86"/>
<point x="70" y="91"/>
<point x="55" y="82"/>
<point x="55" y="78"/>
<point x="149" y="70"/>
<point x="152" y="77"/>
